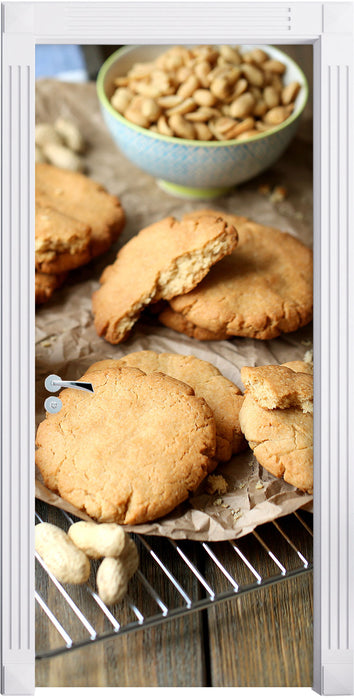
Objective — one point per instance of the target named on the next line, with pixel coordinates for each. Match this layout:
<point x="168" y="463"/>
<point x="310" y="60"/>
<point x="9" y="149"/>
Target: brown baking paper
<point x="67" y="344"/>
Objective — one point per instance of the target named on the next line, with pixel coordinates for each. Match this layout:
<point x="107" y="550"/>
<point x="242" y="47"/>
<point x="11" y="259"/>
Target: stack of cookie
<point x="158" y="424"/>
<point x="76" y="220"/>
<point x="277" y="420"/>
<point x="256" y="284"/>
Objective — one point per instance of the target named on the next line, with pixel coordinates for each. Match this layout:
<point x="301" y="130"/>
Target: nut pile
<point x="67" y="555"/>
<point x="60" y="144"/>
<point x="206" y="93"/>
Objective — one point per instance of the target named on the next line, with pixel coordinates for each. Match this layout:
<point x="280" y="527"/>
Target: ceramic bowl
<point x="195" y="169"/>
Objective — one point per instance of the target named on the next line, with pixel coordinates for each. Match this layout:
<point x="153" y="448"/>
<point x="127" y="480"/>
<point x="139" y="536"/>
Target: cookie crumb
<point x="218" y="502"/>
<point x="308" y="357"/>
<point x="241" y="485"/>
<point x="216" y="484"/>
<point x="259" y="485"/>
<point x="278" y="195"/>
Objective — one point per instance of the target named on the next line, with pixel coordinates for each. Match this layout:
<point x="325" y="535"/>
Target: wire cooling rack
<point x="174" y="578"/>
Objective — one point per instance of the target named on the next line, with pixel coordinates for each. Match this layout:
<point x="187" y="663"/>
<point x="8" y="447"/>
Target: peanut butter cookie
<point x="165" y="259"/>
<point x="76" y="219"/>
<point x="222" y="396"/>
<point x="281" y="437"/>
<point x="262" y="289"/>
<point x="131" y="451"/>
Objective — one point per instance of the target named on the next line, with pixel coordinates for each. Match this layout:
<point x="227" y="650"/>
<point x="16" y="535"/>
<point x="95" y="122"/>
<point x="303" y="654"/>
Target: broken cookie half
<point x="276" y="418"/>
<point x="164" y="260"/>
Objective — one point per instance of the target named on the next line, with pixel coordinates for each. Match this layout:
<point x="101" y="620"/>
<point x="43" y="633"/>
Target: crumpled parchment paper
<point x="67" y="343"/>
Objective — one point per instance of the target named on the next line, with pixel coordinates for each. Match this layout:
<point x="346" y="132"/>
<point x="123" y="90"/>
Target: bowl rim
<point x="194" y="142"/>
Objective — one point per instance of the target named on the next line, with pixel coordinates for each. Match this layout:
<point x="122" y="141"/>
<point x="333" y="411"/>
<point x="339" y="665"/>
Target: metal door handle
<point x="53" y="383"/>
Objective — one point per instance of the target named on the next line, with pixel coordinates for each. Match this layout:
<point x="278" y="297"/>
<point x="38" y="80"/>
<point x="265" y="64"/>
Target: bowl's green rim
<point x="189" y="142"/>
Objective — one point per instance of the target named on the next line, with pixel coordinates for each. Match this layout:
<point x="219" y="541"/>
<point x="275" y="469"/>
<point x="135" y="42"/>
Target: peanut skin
<point x="112" y="580"/>
<point x="65" y="561"/>
<point x="98" y="540"/>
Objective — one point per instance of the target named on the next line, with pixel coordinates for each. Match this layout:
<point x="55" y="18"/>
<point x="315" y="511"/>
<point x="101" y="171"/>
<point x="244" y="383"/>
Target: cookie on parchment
<point x="167" y="258"/>
<point x="281" y="437"/>
<point x="62" y="243"/>
<point x="45" y="285"/>
<point x="222" y="396"/>
<point x="262" y="289"/>
<point x="131" y="451"/>
<point x="81" y="205"/>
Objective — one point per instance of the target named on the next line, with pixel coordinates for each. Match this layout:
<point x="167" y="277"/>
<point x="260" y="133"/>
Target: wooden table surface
<point x="260" y="638"/>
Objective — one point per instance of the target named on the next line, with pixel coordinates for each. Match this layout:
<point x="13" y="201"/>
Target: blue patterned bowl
<point x="195" y="169"/>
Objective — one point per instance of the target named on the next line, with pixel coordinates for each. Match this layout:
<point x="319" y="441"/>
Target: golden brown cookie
<point x="262" y="289"/>
<point x="165" y="259"/>
<point x="281" y="438"/>
<point x="61" y="242"/>
<point x="224" y="398"/>
<point x="46" y="285"/>
<point x="178" y="322"/>
<point x="274" y="386"/>
<point x="83" y="206"/>
<point x="131" y="451"/>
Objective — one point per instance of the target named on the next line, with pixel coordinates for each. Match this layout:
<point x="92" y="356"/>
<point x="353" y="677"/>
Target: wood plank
<point x="264" y="638"/>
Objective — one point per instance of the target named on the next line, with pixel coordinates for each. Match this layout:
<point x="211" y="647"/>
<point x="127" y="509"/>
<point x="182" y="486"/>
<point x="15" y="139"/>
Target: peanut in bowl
<point x="201" y="123"/>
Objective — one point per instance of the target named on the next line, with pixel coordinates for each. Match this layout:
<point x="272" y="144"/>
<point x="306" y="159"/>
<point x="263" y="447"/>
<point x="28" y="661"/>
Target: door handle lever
<point x="53" y="383"/>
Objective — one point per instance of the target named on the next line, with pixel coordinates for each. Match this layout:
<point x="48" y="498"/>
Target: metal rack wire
<point x="173" y="580"/>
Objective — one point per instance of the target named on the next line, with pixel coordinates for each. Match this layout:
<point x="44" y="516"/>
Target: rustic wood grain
<point x="264" y="638"/>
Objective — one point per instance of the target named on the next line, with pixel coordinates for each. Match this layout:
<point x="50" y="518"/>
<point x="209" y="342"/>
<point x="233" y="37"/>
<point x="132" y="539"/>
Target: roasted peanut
<point x="240" y="87"/>
<point x="290" y="92"/>
<point x="134" y="112"/>
<point x="65" y="561"/>
<point x="260" y="108"/>
<point x="231" y="55"/>
<point x="274" y="66"/>
<point x="184" y="107"/>
<point x="277" y="115"/>
<point x="150" y="109"/>
<point x="202" y="131"/>
<point x="255" y="56"/>
<point x="242" y="106"/>
<point x="70" y="134"/>
<point x="252" y="74"/>
<point x="220" y="87"/>
<point x="204" y="98"/>
<point x="245" y="125"/>
<point x="247" y="135"/>
<point x="188" y="87"/>
<point x="271" y="97"/>
<point x="200" y="86"/>
<point x="98" y="540"/>
<point x="112" y="580"/>
<point x="121" y="99"/>
<point x="162" y="126"/>
<point x="203" y="114"/>
<point x="181" y="127"/>
<point x="202" y="71"/>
